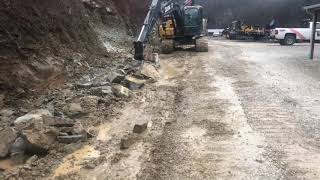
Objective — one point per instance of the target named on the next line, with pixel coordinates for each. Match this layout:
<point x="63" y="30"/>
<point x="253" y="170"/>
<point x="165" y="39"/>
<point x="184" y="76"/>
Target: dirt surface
<point x="242" y="111"/>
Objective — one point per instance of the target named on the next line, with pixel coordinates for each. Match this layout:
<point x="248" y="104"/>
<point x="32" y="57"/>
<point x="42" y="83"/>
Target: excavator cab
<point x="193" y="19"/>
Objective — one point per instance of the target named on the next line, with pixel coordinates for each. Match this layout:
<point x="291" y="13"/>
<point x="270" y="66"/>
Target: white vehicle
<point x="289" y="36"/>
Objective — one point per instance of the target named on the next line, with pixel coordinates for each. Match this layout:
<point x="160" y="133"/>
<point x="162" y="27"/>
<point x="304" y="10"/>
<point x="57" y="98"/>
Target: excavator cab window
<point x="192" y="17"/>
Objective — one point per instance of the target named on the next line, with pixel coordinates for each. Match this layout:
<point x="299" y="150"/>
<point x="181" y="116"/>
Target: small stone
<point x="259" y="160"/>
<point x="73" y="109"/>
<point x="70" y="139"/>
<point x="58" y="122"/>
<point x="109" y="11"/>
<point x="69" y="148"/>
<point x="127" y="141"/>
<point x="6" y="112"/>
<point x="90" y="166"/>
<point x="2" y="97"/>
<point x="116" y="77"/>
<point x="101" y="91"/>
<point x="120" y="91"/>
<point x="140" y="127"/>
<point x="32" y="160"/>
<point x="133" y="83"/>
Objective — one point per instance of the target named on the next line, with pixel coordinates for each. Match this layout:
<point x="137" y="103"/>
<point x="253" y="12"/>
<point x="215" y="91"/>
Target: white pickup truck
<point x="289" y="36"/>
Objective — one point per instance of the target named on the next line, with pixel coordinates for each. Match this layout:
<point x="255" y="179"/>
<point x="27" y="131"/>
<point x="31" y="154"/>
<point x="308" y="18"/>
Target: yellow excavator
<point x="178" y="25"/>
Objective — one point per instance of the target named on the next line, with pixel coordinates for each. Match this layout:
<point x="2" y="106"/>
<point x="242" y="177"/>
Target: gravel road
<point x="244" y="110"/>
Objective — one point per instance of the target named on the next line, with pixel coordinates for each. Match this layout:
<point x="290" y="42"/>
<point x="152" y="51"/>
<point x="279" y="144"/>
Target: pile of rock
<point x="120" y="82"/>
<point x="38" y="131"/>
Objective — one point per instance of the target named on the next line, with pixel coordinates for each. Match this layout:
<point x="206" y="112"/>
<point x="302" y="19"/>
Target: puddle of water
<point x="73" y="162"/>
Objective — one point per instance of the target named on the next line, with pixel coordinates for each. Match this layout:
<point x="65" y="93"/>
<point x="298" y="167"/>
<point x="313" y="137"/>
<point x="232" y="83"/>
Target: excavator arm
<point x="158" y="9"/>
<point x="148" y="25"/>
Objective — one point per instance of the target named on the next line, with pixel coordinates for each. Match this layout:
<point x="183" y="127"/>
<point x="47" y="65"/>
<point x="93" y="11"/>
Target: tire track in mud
<point x="211" y="138"/>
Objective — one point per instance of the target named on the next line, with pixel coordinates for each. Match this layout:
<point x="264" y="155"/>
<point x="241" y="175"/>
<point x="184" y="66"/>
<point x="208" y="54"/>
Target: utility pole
<point x="313" y="33"/>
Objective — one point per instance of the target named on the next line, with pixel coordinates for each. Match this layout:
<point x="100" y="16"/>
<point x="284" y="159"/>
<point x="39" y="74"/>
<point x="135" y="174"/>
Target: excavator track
<point x="167" y="46"/>
<point x="202" y="44"/>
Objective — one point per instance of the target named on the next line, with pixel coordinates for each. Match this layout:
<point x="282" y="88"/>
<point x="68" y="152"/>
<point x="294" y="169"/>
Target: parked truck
<point x="290" y="36"/>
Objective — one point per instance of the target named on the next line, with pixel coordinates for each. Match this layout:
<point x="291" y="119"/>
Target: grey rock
<point x="7" y="137"/>
<point x="73" y="109"/>
<point x="33" y="117"/>
<point x="133" y="83"/>
<point x="116" y="77"/>
<point x="6" y="112"/>
<point x="58" y="122"/>
<point x="71" y="139"/>
<point x="128" y="141"/>
<point x="69" y="148"/>
<point x="121" y="91"/>
<point x="2" y="97"/>
<point x="101" y="91"/>
<point x="150" y="71"/>
<point x="140" y="127"/>
<point x="32" y="160"/>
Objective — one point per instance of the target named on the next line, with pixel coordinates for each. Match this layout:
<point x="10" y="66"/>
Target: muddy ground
<point x="244" y="110"/>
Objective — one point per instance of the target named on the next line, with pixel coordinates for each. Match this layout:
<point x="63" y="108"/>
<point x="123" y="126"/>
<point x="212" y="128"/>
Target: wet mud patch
<point x="215" y="129"/>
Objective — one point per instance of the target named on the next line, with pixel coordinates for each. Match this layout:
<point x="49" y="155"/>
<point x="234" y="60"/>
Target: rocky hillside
<point x="41" y="41"/>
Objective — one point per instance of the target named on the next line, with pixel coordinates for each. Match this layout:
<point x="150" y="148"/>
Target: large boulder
<point x="7" y="137"/>
<point x="32" y="118"/>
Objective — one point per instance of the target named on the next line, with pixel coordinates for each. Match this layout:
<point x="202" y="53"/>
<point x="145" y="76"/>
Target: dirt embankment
<point x="39" y="39"/>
